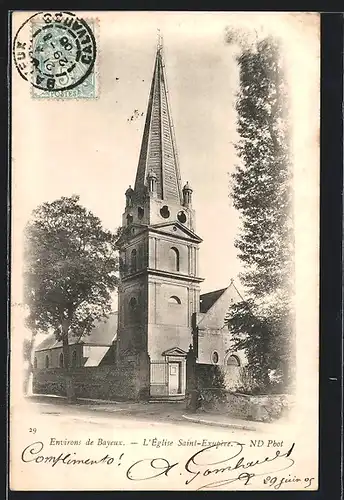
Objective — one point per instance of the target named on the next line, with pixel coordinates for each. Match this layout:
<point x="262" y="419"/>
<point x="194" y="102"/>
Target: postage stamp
<point x="56" y="53"/>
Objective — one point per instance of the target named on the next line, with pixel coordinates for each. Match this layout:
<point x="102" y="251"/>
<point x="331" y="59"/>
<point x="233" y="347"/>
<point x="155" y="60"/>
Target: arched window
<point x="232" y="372"/>
<point x="35" y="362"/>
<point x="140" y="259"/>
<point x="174" y="300"/>
<point x="232" y="361"/>
<point x="133" y="310"/>
<point x="61" y="360"/>
<point x="133" y="260"/>
<point x="47" y="361"/>
<point x="133" y="304"/>
<point x="74" y="359"/>
<point x="174" y="259"/>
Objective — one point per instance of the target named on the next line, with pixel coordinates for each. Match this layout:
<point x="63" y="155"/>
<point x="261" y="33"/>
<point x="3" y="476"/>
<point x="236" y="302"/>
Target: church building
<point x="143" y="348"/>
<point x="160" y="310"/>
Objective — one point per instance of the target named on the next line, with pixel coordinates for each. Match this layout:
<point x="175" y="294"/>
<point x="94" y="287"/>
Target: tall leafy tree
<point x="70" y="271"/>
<point x="261" y="189"/>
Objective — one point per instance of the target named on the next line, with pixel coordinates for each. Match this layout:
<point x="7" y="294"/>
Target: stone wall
<point x="53" y="356"/>
<point x="129" y="381"/>
<point x="262" y="408"/>
<point x="169" y="323"/>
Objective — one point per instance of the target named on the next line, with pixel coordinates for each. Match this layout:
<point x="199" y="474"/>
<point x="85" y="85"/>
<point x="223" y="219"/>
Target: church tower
<point x="159" y="290"/>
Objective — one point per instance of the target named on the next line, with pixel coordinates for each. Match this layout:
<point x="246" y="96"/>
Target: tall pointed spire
<point x="158" y="153"/>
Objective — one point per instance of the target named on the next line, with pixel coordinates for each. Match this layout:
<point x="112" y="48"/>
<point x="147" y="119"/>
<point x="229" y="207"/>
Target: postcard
<point x="165" y="251"/>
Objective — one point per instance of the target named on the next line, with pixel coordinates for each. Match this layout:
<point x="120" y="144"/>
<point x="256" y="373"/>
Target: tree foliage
<point x="261" y="190"/>
<point x="70" y="270"/>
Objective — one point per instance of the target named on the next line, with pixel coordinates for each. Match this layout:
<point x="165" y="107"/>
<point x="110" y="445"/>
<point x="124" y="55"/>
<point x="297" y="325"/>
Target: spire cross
<point x="160" y="40"/>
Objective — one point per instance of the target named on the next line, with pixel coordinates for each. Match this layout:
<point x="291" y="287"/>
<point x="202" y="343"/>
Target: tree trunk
<point x="287" y="377"/>
<point x="266" y="380"/>
<point x="27" y="379"/>
<point x="29" y="372"/>
<point x="70" y="391"/>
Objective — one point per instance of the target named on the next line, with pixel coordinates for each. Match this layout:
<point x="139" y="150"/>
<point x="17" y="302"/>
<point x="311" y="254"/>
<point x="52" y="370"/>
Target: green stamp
<point x="59" y="56"/>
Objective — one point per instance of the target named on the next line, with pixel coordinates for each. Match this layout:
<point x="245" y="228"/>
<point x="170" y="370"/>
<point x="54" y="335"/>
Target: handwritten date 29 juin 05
<point x="209" y="468"/>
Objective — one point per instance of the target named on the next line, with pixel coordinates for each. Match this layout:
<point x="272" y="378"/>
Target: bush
<point x="248" y="384"/>
<point x="209" y="377"/>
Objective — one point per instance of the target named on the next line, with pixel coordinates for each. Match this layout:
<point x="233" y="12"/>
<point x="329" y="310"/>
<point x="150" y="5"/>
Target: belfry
<point x="160" y="284"/>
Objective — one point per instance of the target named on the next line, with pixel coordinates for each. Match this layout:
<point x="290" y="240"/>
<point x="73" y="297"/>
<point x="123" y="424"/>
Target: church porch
<point x="168" y="376"/>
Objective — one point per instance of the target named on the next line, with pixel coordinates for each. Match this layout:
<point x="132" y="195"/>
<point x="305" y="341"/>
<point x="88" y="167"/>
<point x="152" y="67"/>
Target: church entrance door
<point x="174" y="378"/>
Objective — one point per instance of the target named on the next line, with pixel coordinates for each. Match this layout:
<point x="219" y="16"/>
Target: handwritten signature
<point x="202" y="464"/>
<point x="209" y="468"/>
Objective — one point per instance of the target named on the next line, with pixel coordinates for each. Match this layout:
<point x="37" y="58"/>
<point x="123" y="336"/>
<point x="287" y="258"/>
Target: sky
<point x="89" y="147"/>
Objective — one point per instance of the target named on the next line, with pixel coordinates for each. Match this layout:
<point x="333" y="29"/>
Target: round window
<point x="215" y="357"/>
<point x="181" y="217"/>
<point x="164" y="212"/>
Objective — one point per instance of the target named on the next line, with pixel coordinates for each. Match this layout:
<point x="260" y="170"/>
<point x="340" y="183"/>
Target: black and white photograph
<point x="165" y="251"/>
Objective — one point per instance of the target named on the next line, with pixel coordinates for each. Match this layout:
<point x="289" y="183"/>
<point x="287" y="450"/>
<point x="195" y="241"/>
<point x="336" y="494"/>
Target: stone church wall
<point x="53" y="356"/>
<point x="219" y="340"/>
<point x="210" y="341"/>
<point x="163" y="337"/>
<point x="130" y="381"/>
<point x="132" y="303"/>
<point x="169" y="322"/>
<point x="167" y="257"/>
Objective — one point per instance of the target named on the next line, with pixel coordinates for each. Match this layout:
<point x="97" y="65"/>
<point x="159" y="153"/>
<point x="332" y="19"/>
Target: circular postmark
<point x="54" y="51"/>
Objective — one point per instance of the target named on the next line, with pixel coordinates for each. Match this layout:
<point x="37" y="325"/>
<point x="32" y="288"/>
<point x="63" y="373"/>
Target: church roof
<point x="215" y="306"/>
<point x="158" y="153"/>
<point x="103" y="334"/>
<point x="208" y="299"/>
